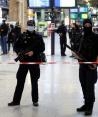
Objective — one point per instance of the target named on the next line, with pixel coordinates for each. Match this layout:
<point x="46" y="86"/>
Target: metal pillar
<point x="52" y="33"/>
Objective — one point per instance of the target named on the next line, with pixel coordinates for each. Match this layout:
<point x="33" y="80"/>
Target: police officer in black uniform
<point x="63" y="39"/>
<point x="88" y="72"/>
<point x="75" y="37"/>
<point x="33" y="43"/>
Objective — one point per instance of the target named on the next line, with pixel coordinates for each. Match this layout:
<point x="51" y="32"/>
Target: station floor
<point x="59" y="88"/>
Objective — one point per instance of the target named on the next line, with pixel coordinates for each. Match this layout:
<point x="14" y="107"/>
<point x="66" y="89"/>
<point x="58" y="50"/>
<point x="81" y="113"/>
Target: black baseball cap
<point x="87" y="21"/>
<point x="30" y="23"/>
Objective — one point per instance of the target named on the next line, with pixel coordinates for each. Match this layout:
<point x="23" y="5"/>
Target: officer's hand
<point x="29" y="53"/>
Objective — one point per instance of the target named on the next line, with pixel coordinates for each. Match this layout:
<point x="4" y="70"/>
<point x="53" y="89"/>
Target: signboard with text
<point x="74" y="16"/>
<point x="64" y="3"/>
<point x="39" y="3"/>
<point x="83" y="9"/>
<point x="84" y="16"/>
<point x="74" y="10"/>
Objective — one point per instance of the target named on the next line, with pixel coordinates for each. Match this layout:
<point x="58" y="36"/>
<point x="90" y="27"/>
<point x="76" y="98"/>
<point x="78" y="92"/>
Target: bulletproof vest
<point x="28" y="39"/>
<point x="87" y="48"/>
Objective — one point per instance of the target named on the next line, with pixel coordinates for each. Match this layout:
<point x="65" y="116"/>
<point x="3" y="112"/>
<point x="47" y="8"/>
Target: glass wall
<point x="4" y="3"/>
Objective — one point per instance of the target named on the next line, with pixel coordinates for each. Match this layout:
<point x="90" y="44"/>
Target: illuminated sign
<point x="83" y="9"/>
<point x="73" y="15"/>
<point x="74" y="10"/>
<point x="39" y="3"/>
<point x="64" y="3"/>
<point x="84" y="16"/>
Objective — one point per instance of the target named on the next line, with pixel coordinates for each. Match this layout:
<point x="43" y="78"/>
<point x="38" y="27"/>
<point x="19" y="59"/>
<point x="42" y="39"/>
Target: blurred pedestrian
<point x="4" y="32"/>
<point x="75" y="36"/>
<point x="11" y="37"/>
<point x="63" y="39"/>
<point x="17" y="30"/>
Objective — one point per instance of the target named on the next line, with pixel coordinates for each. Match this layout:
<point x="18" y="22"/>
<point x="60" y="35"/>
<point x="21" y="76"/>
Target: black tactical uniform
<point x="75" y="36"/>
<point x="88" y="76"/>
<point x="63" y="40"/>
<point x="29" y="41"/>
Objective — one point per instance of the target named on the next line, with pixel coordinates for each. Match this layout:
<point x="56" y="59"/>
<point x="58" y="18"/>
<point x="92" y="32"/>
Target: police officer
<point x="63" y="40"/>
<point x="87" y="72"/>
<point x="75" y="36"/>
<point x="17" y="30"/>
<point x="34" y="44"/>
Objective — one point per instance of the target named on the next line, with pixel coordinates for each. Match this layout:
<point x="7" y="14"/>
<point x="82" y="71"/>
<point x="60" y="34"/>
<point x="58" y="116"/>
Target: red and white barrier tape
<point x="50" y="62"/>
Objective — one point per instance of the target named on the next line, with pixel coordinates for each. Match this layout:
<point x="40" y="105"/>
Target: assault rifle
<point x="81" y="57"/>
<point x="21" y="55"/>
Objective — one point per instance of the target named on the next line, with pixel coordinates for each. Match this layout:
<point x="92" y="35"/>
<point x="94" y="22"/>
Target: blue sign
<point x="83" y="9"/>
<point x="39" y="3"/>
<point x="74" y="10"/>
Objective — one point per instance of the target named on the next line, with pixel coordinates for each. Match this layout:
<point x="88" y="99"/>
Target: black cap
<point x="87" y="21"/>
<point x="30" y="23"/>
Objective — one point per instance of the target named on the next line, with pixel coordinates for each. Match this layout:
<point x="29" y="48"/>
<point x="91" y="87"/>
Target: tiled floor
<point x="59" y="88"/>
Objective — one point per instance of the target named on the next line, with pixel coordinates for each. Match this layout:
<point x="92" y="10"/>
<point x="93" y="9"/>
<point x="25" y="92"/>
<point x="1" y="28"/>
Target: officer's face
<point x="87" y="28"/>
<point x="87" y="25"/>
<point x="30" y="28"/>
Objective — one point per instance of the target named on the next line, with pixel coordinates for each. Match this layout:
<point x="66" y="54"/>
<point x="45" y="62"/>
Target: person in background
<point x="17" y="30"/>
<point x="75" y="35"/>
<point x="4" y="32"/>
<point x="88" y="72"/>
<point x="63" y="39"/>
<point x="11" y="37"/>
<point x="32" y="44"/>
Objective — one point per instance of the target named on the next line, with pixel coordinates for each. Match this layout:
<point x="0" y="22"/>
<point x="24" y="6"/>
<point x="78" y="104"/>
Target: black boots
<point x="81" y="109"/>
<point x="35" y="104"/>
<point x="13" y="104"/>
<point x="88" y="112"/>
<point x="87" y="109"/>
<point x="17" y="104"/>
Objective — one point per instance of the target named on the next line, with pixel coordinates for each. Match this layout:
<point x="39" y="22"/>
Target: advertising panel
<point x="64" y="3"/>
<point x="74" y="10"/>
<point x="74" y="16"/>
<point x="83" y="9"/>
<point x="39" y="3"/>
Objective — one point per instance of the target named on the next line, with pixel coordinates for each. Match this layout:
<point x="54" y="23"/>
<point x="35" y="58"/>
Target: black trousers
<point x="63" y="45"/>
<point x="9" y="45"/>
<point x="88" y="78"/>
<point x="21" y="76"/>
